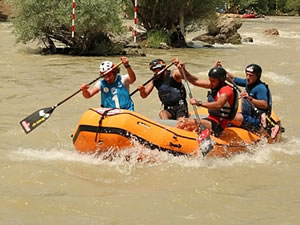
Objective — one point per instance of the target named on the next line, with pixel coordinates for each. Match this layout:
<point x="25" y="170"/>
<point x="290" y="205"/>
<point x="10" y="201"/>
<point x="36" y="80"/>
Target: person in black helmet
<point x="222" y="101"/>
<point x="171" y="91"/>
<point x="256" y="92"/>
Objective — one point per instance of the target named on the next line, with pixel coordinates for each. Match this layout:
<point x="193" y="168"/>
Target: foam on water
<point x="278" y="78"/>
<point x="128" y="160"/>
<point x="289" y="34"/>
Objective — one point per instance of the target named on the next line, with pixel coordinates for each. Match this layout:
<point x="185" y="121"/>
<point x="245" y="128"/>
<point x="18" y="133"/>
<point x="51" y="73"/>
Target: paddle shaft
<point x="40" y="116"/>
<point x="66" y="99"/>
<point x="152" y="78"/>
<point x="237" y="87"/>
<point x="190" y="95"/>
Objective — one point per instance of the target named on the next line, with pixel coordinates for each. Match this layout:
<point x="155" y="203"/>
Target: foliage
<point x="154" y="38"/>
<point x="293" y="5"/>
<point x="50" y="22"/>
<point x="156" y="14"/>
<point x="261" y="6"/>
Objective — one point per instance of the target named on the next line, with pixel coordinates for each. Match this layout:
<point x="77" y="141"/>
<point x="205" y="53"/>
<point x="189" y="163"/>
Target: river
<point x="45" y="181"/>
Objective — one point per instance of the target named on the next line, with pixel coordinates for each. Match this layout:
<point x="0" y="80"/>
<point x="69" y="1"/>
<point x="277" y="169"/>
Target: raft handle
<point x="175" y="145"/>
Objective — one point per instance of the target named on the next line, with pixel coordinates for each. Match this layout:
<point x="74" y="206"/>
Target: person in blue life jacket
<point x="171" y="91"/>
<point x="114" y="87"/>
<point x="258" y="93"/>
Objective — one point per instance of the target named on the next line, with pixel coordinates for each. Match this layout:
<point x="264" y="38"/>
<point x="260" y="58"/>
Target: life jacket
<point x="228" y="111"/>
<point x="268" y="111"/>
<point x="170" y="92"/>
<point x="115" y="95"/>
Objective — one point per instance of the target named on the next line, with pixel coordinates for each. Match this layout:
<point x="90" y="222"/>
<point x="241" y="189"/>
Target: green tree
<point x="162" y="15"/>
<point x="293" y="5"/>
<point x="50" y="23"/>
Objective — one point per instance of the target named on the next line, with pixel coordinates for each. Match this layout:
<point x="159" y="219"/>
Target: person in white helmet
<point x="114" y="87"/>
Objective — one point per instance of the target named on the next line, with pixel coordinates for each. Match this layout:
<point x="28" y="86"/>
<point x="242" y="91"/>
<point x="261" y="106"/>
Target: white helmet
<point x="105" y="66"/>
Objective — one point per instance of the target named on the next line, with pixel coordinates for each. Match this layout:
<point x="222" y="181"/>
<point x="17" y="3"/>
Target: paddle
<point x="203" y="131"/>
<point x="270" y="125"/>
<point x="40" y="116"/>
<point x="155" y="76"/>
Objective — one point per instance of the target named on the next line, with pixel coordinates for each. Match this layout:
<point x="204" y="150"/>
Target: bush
<point x="154" y="38"/>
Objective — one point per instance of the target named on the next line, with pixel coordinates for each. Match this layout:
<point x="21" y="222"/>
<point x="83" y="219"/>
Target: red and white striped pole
<point x="73" y="17"/>
<point x="135" y="21"/>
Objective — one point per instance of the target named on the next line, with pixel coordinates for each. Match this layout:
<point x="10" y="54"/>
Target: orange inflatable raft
<point x="102" y="129"/>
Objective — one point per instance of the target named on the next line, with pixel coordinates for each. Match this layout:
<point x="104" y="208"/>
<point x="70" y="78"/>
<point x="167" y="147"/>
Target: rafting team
<point x="222" y="101"/>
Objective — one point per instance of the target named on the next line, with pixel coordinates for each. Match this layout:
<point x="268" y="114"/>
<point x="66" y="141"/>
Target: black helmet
<point x="254" y="68"/>
<point x="218" y="72"/>
<point x="157" y="63"/>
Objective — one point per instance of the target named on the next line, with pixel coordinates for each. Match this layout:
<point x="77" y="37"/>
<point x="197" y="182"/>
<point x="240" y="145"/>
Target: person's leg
<point x="165" y="115"/>
<point x="191" y="124"/>
<point x="181" y="111"/>
<point x="238" y="120"/>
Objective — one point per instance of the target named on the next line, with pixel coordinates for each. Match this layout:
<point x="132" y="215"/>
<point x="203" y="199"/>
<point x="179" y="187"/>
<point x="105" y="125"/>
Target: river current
<point x="45" y="181"/>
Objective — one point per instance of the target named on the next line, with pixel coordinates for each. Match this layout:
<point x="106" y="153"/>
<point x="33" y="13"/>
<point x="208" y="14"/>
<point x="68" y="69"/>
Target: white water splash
<point x="290" y="34"/>
<point x="128" y="160"/>
<point x="279" y="79"/>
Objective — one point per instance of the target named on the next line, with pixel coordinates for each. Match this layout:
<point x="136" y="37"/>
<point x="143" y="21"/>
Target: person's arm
<point x="262" y="104"/>
<point x="88" y="93"/>
<point x="146" y="90"/>
<point x="261" y="100"/>
<point x="218" y="63"/>
<point x="191" y="78"/>
<point x="211" y="105"/>
<point x="132" y="77"/>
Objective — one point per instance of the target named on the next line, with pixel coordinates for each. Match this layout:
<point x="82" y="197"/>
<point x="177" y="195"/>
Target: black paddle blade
<point x="35" y="119"/>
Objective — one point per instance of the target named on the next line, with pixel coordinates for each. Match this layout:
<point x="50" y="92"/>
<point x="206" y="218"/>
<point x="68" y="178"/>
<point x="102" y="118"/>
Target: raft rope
<point x="73" y="17"/>
<point x="100" y="122"/>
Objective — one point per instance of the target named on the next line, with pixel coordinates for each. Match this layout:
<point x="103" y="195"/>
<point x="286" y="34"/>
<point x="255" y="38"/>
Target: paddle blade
<point x="35" y="119"/>
<point x="204" y="140"/>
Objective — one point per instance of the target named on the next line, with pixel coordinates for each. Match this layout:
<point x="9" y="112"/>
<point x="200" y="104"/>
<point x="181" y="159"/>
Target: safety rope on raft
<point x="100" y="122"/>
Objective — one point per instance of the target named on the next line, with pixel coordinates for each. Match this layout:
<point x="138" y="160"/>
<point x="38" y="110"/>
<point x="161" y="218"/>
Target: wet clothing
<point x="260" y="91"/>
<point x="215" y="127"/>
<point x="115" y="95"/>
<point x="180" y="109"/>
<point x="220" y="118"/>
<point x="172" y="95"/>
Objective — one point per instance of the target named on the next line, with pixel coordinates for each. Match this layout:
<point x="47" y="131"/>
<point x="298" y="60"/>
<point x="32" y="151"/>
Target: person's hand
<point x="141" y="88"/>
<point x="246" y="95"/>
<point x="125" y="61"/>
<point x="218" y="64"/>
<point x="193" y="101"/>
<point x="175" y="60"/>
<point x="84" y="87"/>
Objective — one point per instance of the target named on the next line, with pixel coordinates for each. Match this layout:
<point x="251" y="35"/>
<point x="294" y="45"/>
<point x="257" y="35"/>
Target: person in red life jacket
<point x="222" y="102"/>
<point x="171" y="91"/>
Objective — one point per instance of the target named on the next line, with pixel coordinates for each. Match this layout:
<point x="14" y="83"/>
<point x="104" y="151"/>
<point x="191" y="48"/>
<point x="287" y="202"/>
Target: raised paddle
<point x="152" y="78"/>
<point x="203" y="131"/>
<point x="270" y="125"/>
<point x="40" y="116"/>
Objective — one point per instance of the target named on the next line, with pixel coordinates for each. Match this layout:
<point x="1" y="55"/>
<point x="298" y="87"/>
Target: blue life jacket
<point x="115" y="95"/>
<point x="253" y="90"/>
<point x="170" y="92"/>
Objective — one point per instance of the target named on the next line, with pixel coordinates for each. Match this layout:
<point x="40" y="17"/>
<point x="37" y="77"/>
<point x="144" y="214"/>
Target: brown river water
<point x="45" y="181"/>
